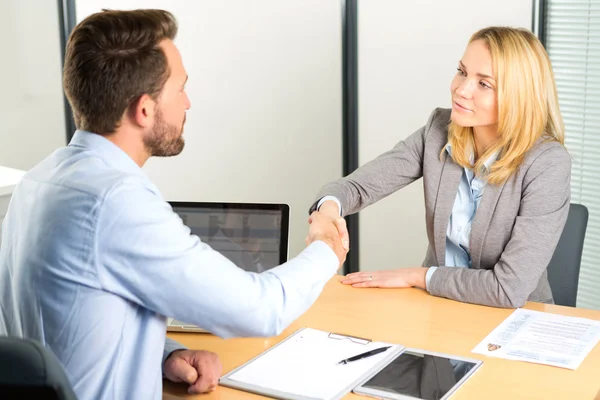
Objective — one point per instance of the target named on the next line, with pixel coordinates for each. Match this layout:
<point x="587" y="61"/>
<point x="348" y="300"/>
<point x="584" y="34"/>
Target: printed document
<point x="542" y="338"/>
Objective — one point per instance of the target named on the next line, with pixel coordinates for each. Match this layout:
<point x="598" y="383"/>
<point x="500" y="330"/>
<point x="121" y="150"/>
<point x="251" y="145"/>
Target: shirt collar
<point x="486" y="165"/>
<point x="108" y="151"/>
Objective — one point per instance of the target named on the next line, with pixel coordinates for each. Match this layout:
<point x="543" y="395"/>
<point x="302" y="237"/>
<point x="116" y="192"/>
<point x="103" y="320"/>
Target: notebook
<point x="305" y="366"/>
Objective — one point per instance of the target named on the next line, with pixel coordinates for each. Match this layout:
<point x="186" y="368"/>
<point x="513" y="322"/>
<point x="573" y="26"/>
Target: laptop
<point x="254" y="236"/>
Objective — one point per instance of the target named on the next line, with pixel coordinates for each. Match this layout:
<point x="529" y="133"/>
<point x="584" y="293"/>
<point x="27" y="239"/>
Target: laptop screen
<point x="253" y="236"/>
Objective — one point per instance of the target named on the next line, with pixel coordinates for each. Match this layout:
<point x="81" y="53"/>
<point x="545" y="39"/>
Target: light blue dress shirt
<point x="458" y="233"/>
<point x="93" y="259"/>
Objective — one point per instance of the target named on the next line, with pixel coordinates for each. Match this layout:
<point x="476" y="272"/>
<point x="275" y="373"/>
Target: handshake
<point x="327" y="226"/>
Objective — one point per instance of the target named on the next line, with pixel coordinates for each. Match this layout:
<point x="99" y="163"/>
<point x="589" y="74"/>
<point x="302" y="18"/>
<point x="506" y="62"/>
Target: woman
<point x="495" y="173"/>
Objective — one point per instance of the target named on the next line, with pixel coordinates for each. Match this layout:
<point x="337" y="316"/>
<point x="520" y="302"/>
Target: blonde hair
<point x="527" y="103"/>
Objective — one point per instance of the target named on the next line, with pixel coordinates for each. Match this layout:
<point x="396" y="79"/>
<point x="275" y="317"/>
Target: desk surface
<point x="413" y="318"/>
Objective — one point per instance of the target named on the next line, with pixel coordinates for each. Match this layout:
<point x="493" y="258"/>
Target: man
<point x="93" y="258"/>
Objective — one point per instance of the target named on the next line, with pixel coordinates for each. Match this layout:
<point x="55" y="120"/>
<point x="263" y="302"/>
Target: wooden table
<point x="413" y="318"/>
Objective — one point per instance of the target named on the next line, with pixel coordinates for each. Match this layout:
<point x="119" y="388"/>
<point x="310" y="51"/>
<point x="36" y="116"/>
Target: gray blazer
<point x="515" y="229"/>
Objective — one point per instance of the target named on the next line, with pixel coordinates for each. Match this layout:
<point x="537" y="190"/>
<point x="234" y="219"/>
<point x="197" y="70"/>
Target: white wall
<point x="9" y="178"/>
<point x="265" y="87"/>
<point x="265" y="76"/>
<point x="31" y="106"/>
<point x="408" y="53"/>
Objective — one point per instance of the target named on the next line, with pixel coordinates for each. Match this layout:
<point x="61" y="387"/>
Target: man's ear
<point x="142" y="111"/>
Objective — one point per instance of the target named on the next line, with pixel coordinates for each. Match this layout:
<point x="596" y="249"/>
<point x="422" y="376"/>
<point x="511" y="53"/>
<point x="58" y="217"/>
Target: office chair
<point x="563" y="270"/>
<point x="29" y="370"/>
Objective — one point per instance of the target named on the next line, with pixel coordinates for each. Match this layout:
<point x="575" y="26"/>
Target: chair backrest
<point x="563" y="270"/>
<point x="29" y="370"/>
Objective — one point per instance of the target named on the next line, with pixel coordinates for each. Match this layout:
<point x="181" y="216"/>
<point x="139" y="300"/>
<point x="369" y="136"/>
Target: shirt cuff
<point x="320" y="253"/>
<point x="333" y="198"/>
<point x="170" y="346"/>
<point x="428" y="276"/>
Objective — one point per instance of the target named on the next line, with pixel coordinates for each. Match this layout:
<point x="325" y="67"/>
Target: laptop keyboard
<point x="181" y="323"/>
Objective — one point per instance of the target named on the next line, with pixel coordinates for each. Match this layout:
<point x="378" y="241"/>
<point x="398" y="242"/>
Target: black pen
<point x="364" y="355"/>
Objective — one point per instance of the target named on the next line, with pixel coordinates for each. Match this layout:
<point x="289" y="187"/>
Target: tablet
<point x="419" y="374"/>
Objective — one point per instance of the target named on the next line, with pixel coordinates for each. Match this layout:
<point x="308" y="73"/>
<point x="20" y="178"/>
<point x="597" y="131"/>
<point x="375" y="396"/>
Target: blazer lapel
<point x="447" y="189"/>
<point x="481" y="221"/>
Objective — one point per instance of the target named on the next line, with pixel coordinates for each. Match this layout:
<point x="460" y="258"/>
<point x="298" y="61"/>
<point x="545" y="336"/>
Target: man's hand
<point x="326" y="229"/>
<point x="198" y="368"/>
<point x="331" y="209"/>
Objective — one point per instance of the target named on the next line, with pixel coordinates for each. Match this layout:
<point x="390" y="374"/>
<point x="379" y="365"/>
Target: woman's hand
<point x="331" y="210"/>
<point x="396" y="278"/>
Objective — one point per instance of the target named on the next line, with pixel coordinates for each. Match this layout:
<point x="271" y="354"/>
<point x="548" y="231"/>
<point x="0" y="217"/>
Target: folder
<point x="305" y="366"/>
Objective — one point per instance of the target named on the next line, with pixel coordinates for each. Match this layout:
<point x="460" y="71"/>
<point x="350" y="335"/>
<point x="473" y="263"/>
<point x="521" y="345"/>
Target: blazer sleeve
<point x="382" y="176"/>
<point x="543" y="212"/>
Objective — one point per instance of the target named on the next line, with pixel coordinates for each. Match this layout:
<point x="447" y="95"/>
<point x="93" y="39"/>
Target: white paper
<point x="542" y="338"/>
<point x="306" y="365"/>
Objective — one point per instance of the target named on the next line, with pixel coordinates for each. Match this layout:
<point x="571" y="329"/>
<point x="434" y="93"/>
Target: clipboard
<point x="304" y="366"/>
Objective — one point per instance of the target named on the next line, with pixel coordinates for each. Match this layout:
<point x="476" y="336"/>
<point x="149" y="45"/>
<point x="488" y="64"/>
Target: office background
<point x="267" y="100"/>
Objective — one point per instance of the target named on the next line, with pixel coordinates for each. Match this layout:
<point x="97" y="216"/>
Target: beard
<point x="164" y="140"/>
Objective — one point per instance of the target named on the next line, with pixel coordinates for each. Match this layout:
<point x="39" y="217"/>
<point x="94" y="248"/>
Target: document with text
<point x="542" y="338"/>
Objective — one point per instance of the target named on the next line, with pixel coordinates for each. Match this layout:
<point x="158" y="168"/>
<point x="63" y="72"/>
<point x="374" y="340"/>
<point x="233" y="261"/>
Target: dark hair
<point x="112" y="59"/>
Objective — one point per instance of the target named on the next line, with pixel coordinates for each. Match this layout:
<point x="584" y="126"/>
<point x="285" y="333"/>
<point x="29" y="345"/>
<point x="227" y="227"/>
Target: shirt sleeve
<point x="332" y="198"/>
<point x="170" y="346"/>
<point x="146" y="255"/>
<point x="428" y="276"/>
